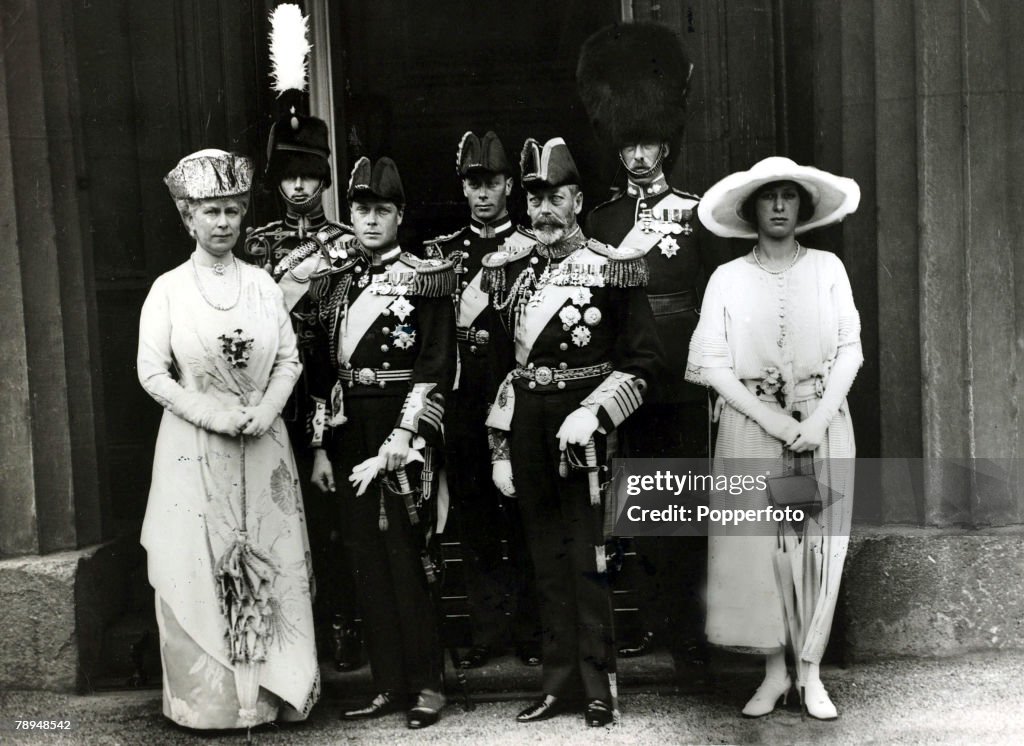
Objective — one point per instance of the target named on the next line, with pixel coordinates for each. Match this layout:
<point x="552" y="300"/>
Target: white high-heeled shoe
<point x="767" y="696"/>
<point x="816" y="701"/>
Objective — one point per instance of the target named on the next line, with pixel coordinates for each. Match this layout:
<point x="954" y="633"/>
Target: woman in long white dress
<point x="779" y="334"/>
<point x="224" y="529"/>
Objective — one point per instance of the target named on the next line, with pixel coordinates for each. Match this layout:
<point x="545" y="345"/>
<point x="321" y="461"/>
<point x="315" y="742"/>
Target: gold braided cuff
<point x="422" y="413"/>
<point x="618" y="396"/>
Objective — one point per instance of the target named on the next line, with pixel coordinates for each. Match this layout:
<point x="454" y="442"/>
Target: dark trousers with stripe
<point x="672" y="572"/>
<point x="399" y="618"/>
<point x="562" y="531"/>
<point x="501" y="595"/>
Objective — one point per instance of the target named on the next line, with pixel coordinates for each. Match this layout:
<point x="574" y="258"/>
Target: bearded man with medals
<point x="633" y="81"/>
<point x="501" y="596"/>
<point x="382" y="366"/>
<point x="577" y="351"/>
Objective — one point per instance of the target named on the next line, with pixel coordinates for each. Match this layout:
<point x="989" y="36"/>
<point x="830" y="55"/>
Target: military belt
<point x="472" y="335"/>
<point x="544" y="376"/>
<point x="372" y="376"/>
<point x="663" y="305"/>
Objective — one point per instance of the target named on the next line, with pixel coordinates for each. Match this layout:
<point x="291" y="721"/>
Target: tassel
<point x="382" y="518"/>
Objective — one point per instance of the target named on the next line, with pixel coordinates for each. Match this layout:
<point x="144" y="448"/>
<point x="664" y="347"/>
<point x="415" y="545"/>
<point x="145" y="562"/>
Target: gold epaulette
<point x="626" y="266"/>
<point x="493" y="277"/>
<point x="431" y="278"/>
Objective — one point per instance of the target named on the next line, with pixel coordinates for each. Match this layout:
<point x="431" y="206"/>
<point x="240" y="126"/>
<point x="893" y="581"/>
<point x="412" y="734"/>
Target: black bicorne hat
<point x="486" y="154"/>
<point x="378" y="180"/>
<point x="633" y="79"/>
<point x="549" y="166"/>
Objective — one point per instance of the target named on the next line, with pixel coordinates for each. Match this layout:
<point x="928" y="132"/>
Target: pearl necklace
<point x="796" y="256"/>
<point x="238" y="284"/>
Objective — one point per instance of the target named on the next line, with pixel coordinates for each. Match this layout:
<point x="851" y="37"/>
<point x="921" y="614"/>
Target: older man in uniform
<point x="292" y="249"/>
<point x="633" y="80"/>
<point x="578" y="350"/>
<point x="383" y="365"/>
<point x="493" y="593"/>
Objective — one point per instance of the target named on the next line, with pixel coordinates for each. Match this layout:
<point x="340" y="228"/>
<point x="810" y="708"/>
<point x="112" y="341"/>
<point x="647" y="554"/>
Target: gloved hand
<point x="363" y="474"/>
<point x="501" y="475"/>
<point x="811" y="432"/>
<point x="578" y="428"/>
<point x="780" y="426"/>
<point x="225" y="421"/>
<point x="260" y="419"/>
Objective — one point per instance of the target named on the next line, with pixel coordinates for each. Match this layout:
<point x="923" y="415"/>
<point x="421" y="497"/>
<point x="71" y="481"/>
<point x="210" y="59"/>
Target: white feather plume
<point x="289" y="48"/>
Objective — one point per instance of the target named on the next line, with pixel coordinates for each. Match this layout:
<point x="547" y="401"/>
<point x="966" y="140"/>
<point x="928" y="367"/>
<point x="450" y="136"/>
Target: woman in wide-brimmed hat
<point x="779" y="340"/>
<point x="224" y="529"/>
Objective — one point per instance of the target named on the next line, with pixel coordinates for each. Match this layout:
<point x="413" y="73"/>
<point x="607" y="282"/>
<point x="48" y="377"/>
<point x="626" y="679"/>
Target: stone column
<point x="50" y="498"/>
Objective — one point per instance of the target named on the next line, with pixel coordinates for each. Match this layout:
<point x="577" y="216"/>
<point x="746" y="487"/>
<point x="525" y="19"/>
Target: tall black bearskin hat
<point x="298" y="144"/>
<point x="633" y="80"/>
<point x="482" y="154"/>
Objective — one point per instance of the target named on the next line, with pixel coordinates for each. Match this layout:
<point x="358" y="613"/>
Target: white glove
<point x="501" y="475"/>
<point x="578" y="428"/>
<point x="225" y="421"/>
<point x="366" y="472"/>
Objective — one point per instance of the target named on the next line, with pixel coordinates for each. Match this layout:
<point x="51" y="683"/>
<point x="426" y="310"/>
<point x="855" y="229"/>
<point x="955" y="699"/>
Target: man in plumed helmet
<point x="292" y="249"/>
<point x="484" y="519"/>
<point x="383" y="364"/>
<point x="633" y="80"/>
<point x="577" y="350"/>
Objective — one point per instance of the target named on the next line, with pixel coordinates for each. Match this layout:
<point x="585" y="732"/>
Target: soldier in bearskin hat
<point x="292" y="249"/>
<point x="633" y="80"/>
<point x="484" y="518"/>
<point x="576" y="350"/>
<point x="381" y="367"/>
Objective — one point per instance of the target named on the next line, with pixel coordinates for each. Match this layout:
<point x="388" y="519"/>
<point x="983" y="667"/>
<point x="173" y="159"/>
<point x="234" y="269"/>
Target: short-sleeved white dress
<point x="777" y="331"/>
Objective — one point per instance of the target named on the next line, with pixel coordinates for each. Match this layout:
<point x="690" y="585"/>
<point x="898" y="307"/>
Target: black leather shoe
<point x="598" y="713"/>
<point x="529" y="655"/>
<point x="427" y="710"/>
<point x="544" y="708"/>
<point x="475" y="657"/>
<point x="634" y="650"/>
<point x="383" y="704"/>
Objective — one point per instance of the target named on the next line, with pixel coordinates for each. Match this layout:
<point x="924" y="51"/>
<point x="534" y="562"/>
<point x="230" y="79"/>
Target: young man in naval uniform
<point x="301" y="243"/>
<point x="484" y="517"/>
<point x="383" y="365"/>
<point x="578" y="349"/>
<point x="633" y="79"/>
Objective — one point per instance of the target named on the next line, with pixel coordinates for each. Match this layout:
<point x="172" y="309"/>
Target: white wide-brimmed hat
<point x="834" y="197"/>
